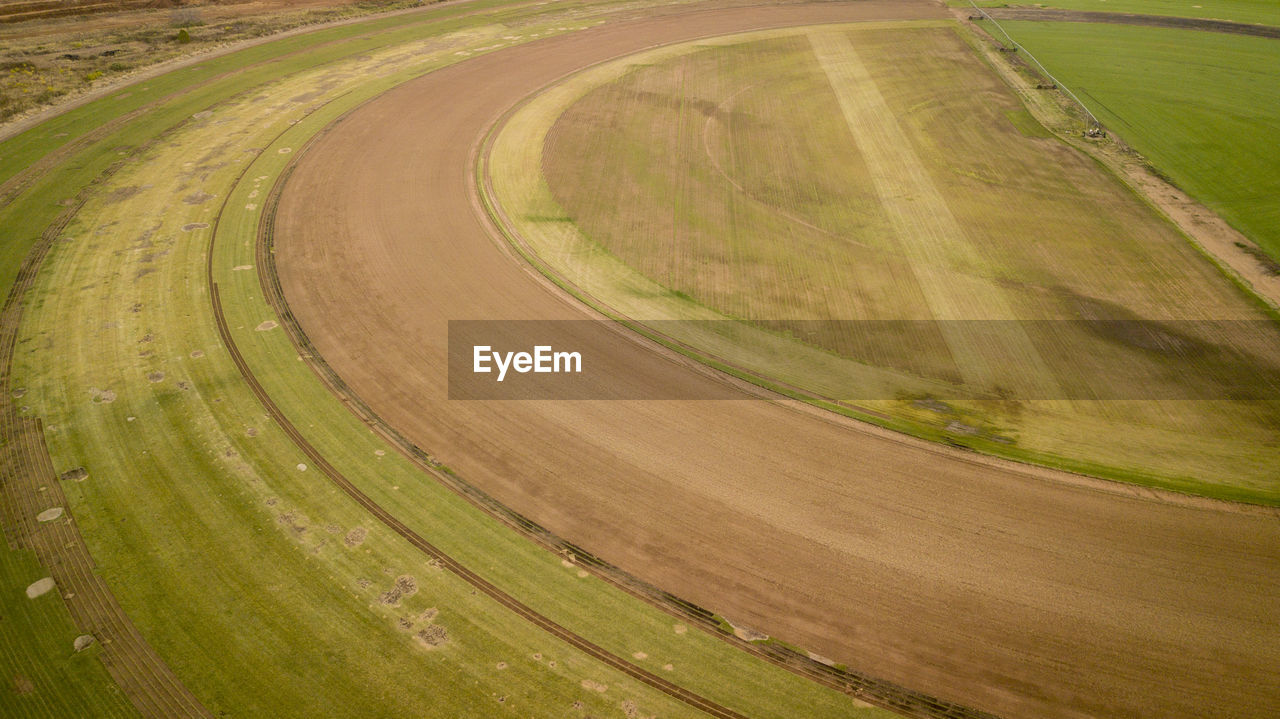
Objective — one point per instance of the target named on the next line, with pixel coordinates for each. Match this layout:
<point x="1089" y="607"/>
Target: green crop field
<point x="1260" y="12"/>
<point x="267" y="590"/>
<point x="795" y="178"/>
<point x="1203" y="107"/>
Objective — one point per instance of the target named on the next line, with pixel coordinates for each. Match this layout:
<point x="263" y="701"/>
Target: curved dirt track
<point x="970" y="579"/>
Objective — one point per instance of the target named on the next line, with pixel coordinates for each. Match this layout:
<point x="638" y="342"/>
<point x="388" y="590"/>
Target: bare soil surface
<point x="1017" y="590"/>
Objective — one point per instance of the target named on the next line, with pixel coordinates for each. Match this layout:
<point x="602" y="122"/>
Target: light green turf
<point x="701" y="202"/>
<point x="1204" y="108"/>
<point x="227" y="554"/>
<point x="1260" y="12"/>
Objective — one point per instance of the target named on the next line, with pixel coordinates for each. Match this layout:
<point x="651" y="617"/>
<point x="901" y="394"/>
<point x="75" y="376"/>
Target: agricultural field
<point x="1197" y="105"/>
<point x="233" y="481"/>
<point x="703" y="202"/>
<point x="1261" y="12"/>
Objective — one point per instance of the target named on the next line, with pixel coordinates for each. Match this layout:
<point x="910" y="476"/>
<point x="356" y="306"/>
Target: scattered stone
<point x="680" y="629"/>
<point x="267" y="325"/>
<point x="155" y="377"/>
<point x="194" y="226"/>
<point x="668" y="668"/>
<point x="83" y="642"/>
<point x="501" y="665"/>
<point x="241" y="268"/>
<point x="302" y="467"/>
<point x="251" y="431"/>
<point x="198" y="197"/>
<point x="49" y="515"/>
<point x="19" y="392"/>
<point x="640" y="655"/>
<point x="197" y="354"/>
<point x="594" y="686"/>
<point x="76" y="475"/>
<point x="40" y="586"/>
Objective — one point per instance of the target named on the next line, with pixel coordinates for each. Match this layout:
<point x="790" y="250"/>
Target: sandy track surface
<point x="974" y="580"/>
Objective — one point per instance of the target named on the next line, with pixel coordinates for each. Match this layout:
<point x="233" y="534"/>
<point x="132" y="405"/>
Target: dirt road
<point x="1007" y="588"/>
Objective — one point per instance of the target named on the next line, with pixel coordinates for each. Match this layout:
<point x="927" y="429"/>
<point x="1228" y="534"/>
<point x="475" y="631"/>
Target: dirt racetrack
<point x="1007" y="588"/>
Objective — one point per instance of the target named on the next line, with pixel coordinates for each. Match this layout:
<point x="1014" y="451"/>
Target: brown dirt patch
<point x="102" y="396"/>
<point x="79" y="474"/>
<point x="355" y="537"/>
<point x="405" y="586"/>
<point x="22" y="685"/>
<point x="433" y="636"/>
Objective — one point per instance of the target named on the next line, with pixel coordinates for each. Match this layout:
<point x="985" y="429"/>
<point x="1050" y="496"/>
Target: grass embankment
<point x="920" y="189"/>
<point x="1203" y="108"/>
<point x="268" y="591"/>
<point x="1258" y="12"/>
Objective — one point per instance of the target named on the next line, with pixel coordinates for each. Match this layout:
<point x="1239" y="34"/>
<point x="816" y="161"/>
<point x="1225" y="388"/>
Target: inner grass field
<point x="265" y="589"/>
<point x="887" y="174"/>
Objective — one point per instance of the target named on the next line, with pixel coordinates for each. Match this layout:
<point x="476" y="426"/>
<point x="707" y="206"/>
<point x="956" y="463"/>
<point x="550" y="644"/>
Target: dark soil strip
<point x="865" y="688"/>
<point x="1116" y="18"/>
<point x="29" y="485"/>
